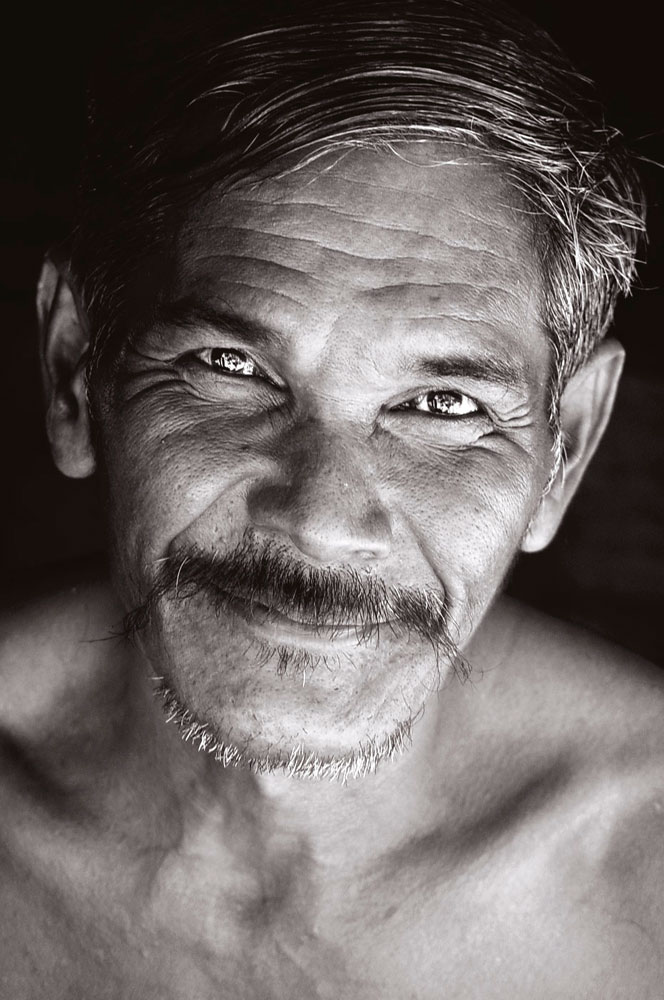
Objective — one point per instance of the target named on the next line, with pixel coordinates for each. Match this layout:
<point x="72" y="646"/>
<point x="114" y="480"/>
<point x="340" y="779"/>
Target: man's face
<point x="346" y="381"/>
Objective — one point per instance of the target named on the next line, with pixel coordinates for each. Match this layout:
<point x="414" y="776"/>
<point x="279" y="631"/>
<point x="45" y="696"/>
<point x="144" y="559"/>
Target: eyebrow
<point x="190" y="313"/>
<point x="193" y="313"/>
<point x="481" y="369"/>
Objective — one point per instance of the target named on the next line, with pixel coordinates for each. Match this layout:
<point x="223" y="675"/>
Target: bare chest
<point x="476" y="941"/>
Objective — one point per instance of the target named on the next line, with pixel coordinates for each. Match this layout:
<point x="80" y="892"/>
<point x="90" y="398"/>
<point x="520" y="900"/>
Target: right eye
<point x="228" y="360"/>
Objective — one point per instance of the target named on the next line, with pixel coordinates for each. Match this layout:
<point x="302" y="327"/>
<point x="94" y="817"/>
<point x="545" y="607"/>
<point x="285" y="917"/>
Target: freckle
<point x="389" y="912"/>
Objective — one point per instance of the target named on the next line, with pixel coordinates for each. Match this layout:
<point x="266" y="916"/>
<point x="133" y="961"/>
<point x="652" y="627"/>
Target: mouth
<point x="273" y="623"/>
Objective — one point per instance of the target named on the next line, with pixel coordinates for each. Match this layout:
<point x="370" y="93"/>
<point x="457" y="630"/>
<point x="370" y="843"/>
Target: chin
<point x="329" y="714"/>
<point x="266" y="697"/>
<point x="300" y="758"/>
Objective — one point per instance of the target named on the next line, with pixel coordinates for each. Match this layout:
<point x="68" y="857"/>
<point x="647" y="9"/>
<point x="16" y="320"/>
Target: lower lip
<point x="276" y="626"/>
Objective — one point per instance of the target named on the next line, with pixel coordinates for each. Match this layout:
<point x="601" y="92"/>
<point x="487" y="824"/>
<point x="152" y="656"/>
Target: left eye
<point x="228" y="360"/>
<point x="442" y="403"/>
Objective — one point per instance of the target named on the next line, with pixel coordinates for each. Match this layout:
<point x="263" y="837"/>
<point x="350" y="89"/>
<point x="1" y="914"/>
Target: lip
<point x="275" y="625"/>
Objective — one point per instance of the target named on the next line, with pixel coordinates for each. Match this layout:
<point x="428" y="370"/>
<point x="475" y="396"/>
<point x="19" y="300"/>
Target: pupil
<point x="440" y="402"/>
<point x="230" y="361"/>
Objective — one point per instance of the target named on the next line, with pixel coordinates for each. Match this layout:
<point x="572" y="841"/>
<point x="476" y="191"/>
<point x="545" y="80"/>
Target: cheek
<point x="468" y="510"/>
<point x="165" y="469"/>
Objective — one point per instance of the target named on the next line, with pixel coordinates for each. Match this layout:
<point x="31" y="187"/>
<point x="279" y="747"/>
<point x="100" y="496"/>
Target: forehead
<point x="370" y="238"/>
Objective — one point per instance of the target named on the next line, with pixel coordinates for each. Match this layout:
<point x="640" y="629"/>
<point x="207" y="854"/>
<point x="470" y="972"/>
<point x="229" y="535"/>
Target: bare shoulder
<point x="614" y="696"/>
<point x="605" y="708"/>
<point x="50" y="644"/>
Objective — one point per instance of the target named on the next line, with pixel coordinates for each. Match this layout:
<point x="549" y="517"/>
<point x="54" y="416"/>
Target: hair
<point x="220" y="97"/>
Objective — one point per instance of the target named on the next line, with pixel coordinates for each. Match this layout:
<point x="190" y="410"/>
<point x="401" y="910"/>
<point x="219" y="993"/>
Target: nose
<point x="322" y="496"/>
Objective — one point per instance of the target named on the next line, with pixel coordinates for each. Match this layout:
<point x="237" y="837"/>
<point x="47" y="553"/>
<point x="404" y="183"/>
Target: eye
<point x="442" y="403"/>
<point x="228" y="360"/>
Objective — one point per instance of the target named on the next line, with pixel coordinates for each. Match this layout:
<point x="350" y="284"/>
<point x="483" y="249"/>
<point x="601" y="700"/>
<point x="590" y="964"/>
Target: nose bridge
<point x="323" y="494"/>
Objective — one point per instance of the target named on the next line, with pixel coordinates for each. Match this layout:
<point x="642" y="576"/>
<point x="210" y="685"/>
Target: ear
<point x="585" y="408"/>
<point x="63" y="348"/>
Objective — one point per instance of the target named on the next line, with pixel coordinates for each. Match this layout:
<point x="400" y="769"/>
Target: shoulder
<point x="604" y="711"/>
<point x="573" y="695"/>
<point x="597" y="704"/>
<point x="608" y="865"/>
<point x="583" y="676"/>
<point x="52" y="643"/>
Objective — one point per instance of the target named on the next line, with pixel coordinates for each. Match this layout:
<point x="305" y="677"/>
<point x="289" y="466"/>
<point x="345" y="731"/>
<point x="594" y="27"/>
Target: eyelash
<point x="252" y="370"/>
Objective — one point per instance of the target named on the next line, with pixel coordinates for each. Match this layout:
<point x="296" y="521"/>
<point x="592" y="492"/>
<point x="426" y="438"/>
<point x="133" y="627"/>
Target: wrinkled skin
<point x="361" y="275"/>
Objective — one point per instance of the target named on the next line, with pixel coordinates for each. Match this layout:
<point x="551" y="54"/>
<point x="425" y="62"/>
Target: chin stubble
<point x="298" y="762"/>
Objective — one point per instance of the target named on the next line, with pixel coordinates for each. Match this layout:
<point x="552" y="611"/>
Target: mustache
<point x="266" y="576"/>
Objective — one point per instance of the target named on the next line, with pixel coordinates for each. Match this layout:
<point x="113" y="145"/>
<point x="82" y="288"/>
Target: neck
<point x="352" y="824"/>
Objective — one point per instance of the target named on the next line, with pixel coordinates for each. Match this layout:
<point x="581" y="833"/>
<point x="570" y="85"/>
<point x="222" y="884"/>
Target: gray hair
<point x="225" y="97"/>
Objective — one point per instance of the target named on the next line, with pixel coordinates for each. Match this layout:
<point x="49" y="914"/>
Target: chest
<point x="475" y="941"/>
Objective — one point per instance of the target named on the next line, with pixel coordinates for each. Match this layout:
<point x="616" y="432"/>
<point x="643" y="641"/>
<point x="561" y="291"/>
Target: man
<point x="331" y="329"/>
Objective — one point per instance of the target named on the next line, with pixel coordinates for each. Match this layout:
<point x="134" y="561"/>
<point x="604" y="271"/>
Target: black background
<point x="606" y="567"/>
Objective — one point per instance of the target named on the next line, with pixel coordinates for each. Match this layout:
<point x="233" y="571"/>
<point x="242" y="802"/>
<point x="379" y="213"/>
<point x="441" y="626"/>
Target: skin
<point x="513" y="850"/>
<point x="321" y="460"/>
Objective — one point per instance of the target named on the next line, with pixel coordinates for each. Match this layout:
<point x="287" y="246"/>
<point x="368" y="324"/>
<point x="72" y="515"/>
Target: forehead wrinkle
<point x="283" y="225"/>
<point x="443" y="292"/>
<point x="328" y="248"/>
<point x="273" y="292"/>
<point x="291" y="240"/>
<point x="460" y="244"/>
<point x="487" y="307"/>
<point x="288" y="269"/>
<point x="212" y="286"/>
<point x="320" y="244"/>
<point x="327" y="226"/>
<point x="326" y="258"/>
<point x="288" y="187"/>
<point x="500" y="201"/>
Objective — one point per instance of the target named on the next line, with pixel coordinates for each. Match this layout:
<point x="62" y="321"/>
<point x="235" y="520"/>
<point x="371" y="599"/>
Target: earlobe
<point x="63" y="348"/>
<point x="585" y="409"/>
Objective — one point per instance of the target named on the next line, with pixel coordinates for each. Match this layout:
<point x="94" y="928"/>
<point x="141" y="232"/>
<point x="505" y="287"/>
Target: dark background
<point x="606" y="567"/>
